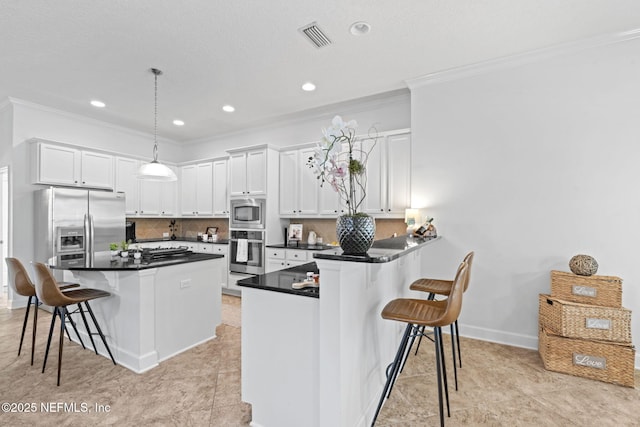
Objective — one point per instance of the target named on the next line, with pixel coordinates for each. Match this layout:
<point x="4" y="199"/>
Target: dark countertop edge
<point x="132" y="266"/>
<point x="274" y="275"/>
<point x="290" y="291"/>
<point x="301" y="247"/>
<point x="185" y="239"/>
<point x="393" y="245"/>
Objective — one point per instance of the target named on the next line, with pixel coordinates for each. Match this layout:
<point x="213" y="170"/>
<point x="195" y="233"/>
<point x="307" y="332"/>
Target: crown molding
<point x="519" y="59"/>
<point x="319" y="113"/>
<point x="89" y="120"/>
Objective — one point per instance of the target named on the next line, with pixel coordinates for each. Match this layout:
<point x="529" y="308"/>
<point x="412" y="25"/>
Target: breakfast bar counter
<point x="321" y="361"/>
<point x="157" y="308"/>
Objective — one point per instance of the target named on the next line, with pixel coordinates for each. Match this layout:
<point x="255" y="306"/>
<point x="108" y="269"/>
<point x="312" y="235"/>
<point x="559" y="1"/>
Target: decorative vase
<point x="355" y="233"/>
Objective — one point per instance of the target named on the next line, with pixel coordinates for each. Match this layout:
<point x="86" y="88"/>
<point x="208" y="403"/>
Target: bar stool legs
<point x="95" y="322"/>
<point x="411" y="331"/>
<point x="35" y="325"/>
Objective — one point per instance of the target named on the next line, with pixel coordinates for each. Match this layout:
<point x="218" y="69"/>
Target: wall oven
<point x="246" y="251"/>
<point x="247" y="213"/>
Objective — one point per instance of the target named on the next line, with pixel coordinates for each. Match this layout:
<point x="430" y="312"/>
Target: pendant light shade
<point x="154" y="170"/>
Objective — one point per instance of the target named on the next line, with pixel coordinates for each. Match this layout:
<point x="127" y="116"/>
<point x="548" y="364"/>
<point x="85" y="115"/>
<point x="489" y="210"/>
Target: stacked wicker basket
<point x="584" y="330"/>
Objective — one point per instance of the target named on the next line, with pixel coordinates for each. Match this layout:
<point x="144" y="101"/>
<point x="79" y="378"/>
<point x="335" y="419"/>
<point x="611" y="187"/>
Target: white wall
<point x="529" y="165"/>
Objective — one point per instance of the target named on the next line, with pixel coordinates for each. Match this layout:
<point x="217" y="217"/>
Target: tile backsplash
<point x="326" y="228"/>
<point x="152" y="228"/>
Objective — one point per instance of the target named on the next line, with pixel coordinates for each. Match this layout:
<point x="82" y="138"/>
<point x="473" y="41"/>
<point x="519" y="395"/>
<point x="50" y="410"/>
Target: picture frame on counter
<point x="295" y="232"/>
<point x="211" y="231"/>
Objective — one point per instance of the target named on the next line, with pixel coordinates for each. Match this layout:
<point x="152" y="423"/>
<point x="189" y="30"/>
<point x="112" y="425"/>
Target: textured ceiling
<point x="250" y="54"/>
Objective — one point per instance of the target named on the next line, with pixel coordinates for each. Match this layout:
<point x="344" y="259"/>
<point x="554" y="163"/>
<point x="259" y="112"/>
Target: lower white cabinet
<point x="279" y="259"/>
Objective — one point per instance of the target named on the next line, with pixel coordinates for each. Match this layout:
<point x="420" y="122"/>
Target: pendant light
<point x="155" y="171"/>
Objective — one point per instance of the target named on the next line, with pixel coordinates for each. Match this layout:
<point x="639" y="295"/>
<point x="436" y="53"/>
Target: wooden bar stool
<point x="22" y="285"/>
<point x="48" y="292"/>
<point x="443" y="287"/>
<point x="418" y="313"/>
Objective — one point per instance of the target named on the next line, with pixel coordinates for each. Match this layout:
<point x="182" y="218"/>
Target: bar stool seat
<point x="50" y="294"/>
<point x="435" y="287"/>
<point x="417" y="314"/>
<point x="21" y="284"/>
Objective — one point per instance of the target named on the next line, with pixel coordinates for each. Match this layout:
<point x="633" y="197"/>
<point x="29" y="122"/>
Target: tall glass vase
<point x="355" y="233"/>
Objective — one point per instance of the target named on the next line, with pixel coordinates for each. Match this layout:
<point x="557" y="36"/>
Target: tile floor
<point x="499" y="386"/>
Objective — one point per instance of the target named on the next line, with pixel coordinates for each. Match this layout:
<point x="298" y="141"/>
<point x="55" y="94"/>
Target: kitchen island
<point x="157" y="308"/>
<point x="319" y="358"/>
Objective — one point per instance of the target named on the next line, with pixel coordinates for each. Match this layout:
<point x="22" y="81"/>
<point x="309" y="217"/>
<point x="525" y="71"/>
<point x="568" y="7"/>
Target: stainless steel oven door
<point x="246" y="252"/>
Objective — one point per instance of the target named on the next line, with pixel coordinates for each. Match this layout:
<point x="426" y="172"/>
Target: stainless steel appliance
<point x="246" y="251"/>
<point x="74" y="224"/>
<point x="247" y="213"/>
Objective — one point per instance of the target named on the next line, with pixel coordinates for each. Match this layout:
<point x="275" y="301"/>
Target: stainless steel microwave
<point x="247" y="213"/>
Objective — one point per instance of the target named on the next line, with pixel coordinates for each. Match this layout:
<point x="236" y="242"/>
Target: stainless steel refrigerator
<point x="74" y="224"/>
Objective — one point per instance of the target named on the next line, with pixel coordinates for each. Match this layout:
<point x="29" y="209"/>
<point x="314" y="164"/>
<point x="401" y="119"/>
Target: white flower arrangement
<point x="340" y="160"/>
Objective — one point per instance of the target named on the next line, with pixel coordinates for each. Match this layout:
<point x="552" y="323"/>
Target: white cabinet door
<point x="398" y="174"/>
<point x="188" y="192"/>
<point x="58" y="165"/>
<point x="150" y="198"/>
<point x="169" y="196"/>
<point x="257" y="172"/>
<point x="376" y="187"/>
<point x="204" y="189"/>
<point x="288" y="183"/>
<point x="127" y="182"/>
<point x="308" y="184"/>
<point x="238" y="174"/>
<point x="96" y="170"/>
<point x="220" y="197"/>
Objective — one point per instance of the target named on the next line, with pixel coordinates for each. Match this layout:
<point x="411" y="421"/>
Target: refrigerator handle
<point x="92" y="239"/>
<point x="87" y="237"/>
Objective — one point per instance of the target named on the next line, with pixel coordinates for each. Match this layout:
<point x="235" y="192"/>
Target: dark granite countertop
<point x="301" y="246"/>
<point x="183" y="239"/>
<point x="105" y="262"/>
<point x="281" y="280"/>
<point x="384" y="250"/>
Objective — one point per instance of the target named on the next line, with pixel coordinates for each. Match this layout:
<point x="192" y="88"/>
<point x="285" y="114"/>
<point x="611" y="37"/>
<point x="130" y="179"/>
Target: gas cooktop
<point x="158" y="253"/>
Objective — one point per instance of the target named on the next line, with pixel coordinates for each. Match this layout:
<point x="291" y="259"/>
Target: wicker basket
<point x="575" y="320"/>
<point x="602" y="361"/>
<point x="604" y="291"/>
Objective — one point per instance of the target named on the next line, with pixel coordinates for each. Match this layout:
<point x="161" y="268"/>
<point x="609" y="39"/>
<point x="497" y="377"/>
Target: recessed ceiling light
<point x="178" y="122"/>
<point x="228" y="108"/>
<point x="97" y="103"/>
<point x="360" y="28"/>
<point x="308" y="87"/>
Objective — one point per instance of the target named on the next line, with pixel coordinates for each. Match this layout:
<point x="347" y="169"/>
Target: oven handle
<point x="249" y="240"/>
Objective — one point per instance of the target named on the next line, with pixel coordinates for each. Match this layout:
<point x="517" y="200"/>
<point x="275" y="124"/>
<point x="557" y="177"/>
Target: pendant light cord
<point x="156" y="73"/>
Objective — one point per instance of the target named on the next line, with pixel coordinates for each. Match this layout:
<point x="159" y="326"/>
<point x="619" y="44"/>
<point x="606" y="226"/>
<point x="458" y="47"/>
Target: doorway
<point x="4" y="233"/>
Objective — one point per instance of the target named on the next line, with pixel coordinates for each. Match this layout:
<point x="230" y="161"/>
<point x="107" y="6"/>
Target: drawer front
<point x="276" y="253"/>
<point x="294" y="255"/>
<point x="220" y="249"/>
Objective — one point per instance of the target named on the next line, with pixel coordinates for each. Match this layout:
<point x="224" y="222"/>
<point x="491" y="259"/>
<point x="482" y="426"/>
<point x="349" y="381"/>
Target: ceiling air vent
<point x="315" y="35"/>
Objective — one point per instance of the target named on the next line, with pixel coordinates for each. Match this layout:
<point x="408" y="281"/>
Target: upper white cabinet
<point x="144" y="198"/>
<point x="127" y="182"/>
<point x="158" y="198"/>
<point x="387" y="188"/>
<point x="388" y="175"/>
<point x="196" y="186"/>
<point x="248" y="173"/>
<point x="220" y="192"/>
<point x="299" y="186"/>
<point x="63" y="165"/>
